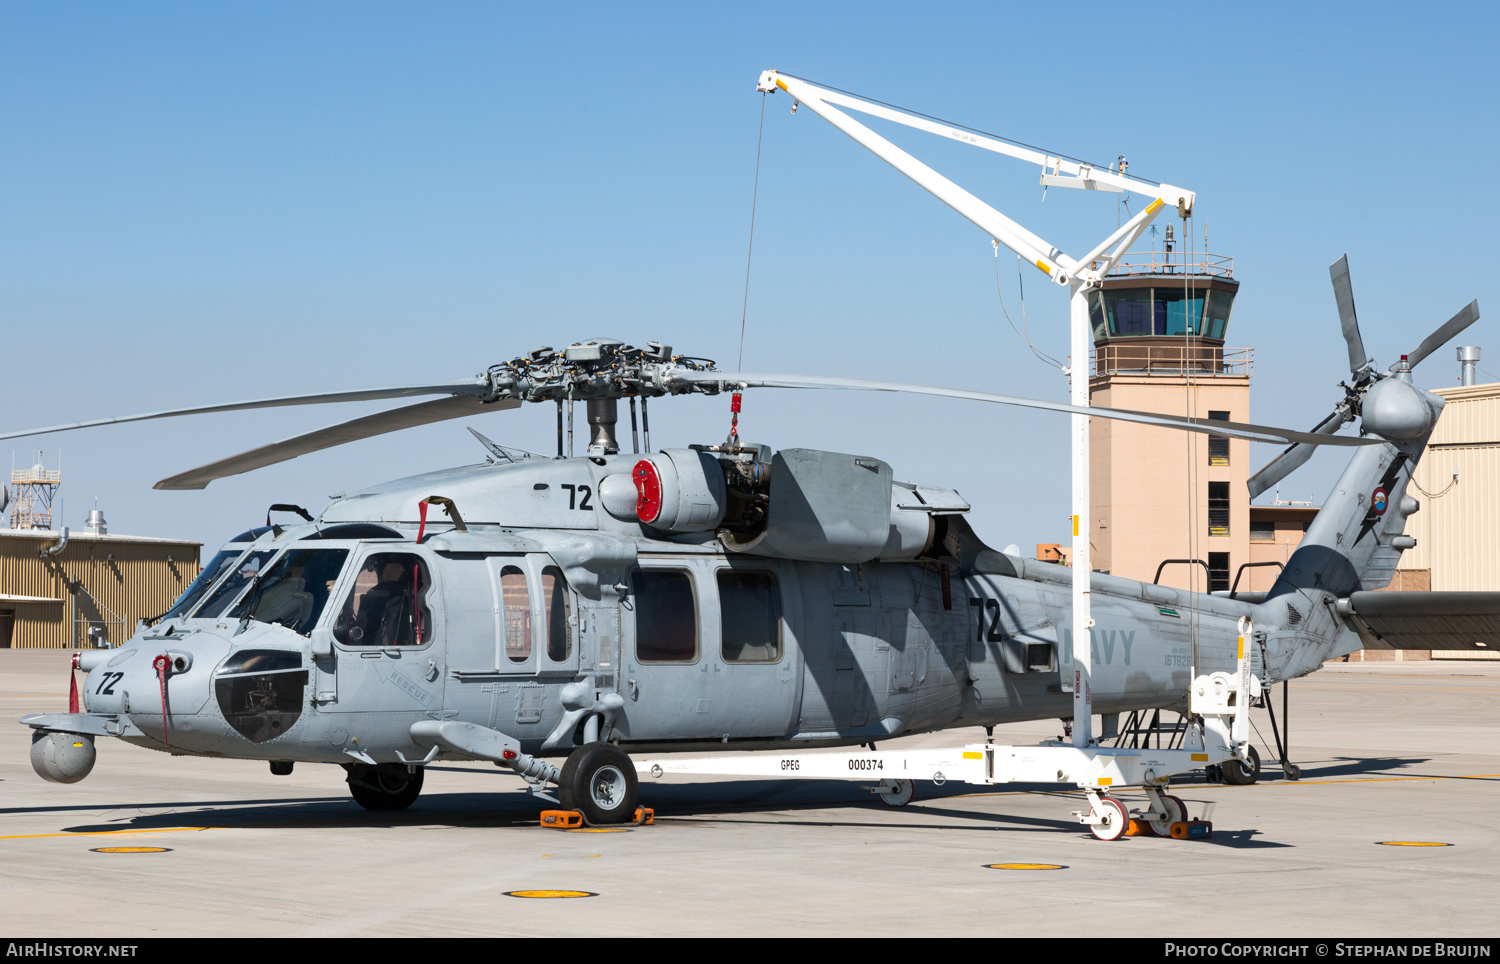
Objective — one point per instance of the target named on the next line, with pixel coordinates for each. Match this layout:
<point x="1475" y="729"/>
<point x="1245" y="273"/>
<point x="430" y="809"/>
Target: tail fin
<point x="1352" y="545"/>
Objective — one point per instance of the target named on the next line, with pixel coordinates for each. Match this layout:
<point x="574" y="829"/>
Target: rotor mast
<point x="1079" y="276"/>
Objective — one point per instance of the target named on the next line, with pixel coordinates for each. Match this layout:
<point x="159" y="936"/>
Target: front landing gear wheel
<point x="385" y="787"/>
<point x="1116" y="819"/>
<point x="1176" y="813"/>
<point x="599" y="780"/>
<point x="896" y="793"/>
<point x="1242" y="773"/>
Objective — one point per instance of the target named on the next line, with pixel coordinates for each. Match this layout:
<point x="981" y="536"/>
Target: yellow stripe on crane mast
<point x="1043" y="266"/>
<point x="1150" y="208"/>
<point x="782" y="84"/>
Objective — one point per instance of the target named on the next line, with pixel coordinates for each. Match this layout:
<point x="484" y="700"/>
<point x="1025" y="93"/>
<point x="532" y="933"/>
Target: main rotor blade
<point x="380" y="423"/>
<point x="1451" y="327"/>
<point x="1343" y="293"/>
<point x="1292" y="458"/>
<point x="1244" y="430"/>
<point x="467" y="387"/>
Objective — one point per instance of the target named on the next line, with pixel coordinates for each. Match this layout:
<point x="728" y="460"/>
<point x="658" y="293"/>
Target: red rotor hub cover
<point x="648" y="490"/>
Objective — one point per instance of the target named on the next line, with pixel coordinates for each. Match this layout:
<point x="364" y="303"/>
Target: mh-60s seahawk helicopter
<point x="713" y="596"/>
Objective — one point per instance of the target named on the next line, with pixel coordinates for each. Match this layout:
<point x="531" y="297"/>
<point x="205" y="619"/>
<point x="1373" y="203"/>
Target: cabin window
<point x="295" y="590"/>
<point x="388" y="605"/>
<point x="749" y="616"/>
<point x="666" y="616"/>
<point x="517" y="601"/>
<point x="556" y="609"/>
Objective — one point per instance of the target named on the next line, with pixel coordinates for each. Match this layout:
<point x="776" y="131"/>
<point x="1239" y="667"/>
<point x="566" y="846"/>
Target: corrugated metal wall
<point x="139" y="583"/>
<point x="1458" y="531"/>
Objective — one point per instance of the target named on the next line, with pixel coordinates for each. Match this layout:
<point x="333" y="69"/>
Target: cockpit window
<point x="388" y="605"/>
<point x="247" y="569"/>
<point x="295" y="590"/>
<point x="207" y="576"/>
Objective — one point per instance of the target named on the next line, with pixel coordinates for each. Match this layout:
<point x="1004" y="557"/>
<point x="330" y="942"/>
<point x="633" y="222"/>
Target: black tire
<point x="599" y="780"/>
<point x="1242" y="773"/>
<point x="384" y="788"/>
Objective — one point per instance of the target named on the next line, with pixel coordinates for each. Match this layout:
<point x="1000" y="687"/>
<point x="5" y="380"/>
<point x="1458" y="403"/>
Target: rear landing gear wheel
<point x="1292" y="771"/>
<point x="1242" y="773"/>
<point x="1176" y="813"/>
<point x="1116" y="819"/>
<point x="896" y="793"/>
<point x="599" y="781"/>
<point x="386" y="787"/>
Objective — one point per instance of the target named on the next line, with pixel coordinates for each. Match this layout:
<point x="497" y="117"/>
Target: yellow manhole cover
<point x="130" y="850"/>
<point x="1027" y="866"/>
<point x="1412" y="843"/>
<point x="550" y="894"/>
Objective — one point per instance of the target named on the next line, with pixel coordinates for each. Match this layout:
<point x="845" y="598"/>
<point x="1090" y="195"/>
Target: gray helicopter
<point x="565" y="612"/>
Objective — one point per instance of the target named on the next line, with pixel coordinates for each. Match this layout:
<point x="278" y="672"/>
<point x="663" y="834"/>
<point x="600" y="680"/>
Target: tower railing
<point x="1167" y="360"/>
<point x="1198" y="263"/>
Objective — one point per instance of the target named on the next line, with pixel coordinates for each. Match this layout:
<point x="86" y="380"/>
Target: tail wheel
<point x="1176" y="813"/>
<point x="387" y="787"/>
<point x="599" y="780"/>
<point x="1242" y="773"/>
<point x="1116" y="819"/>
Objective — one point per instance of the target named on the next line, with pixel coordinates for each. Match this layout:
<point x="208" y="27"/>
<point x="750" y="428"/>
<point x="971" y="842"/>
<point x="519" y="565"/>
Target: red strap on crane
<point x="160" y="664"/>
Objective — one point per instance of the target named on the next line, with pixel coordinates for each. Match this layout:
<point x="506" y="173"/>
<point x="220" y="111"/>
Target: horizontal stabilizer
<point x="1426" y="620"/>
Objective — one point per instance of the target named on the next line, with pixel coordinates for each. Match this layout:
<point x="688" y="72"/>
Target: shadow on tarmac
<point x="758" y="801"/>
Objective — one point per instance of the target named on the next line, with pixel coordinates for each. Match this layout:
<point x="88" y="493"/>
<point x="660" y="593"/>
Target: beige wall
<point x="140" y="583"/>
<point x="1139" y="491"/>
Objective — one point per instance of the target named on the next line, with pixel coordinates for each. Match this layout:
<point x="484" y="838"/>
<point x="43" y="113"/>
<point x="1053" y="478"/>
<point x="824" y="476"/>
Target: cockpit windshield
<point x="295" y="589"/>
<point x="248" y="568"/>
<point x="206" y="578"/>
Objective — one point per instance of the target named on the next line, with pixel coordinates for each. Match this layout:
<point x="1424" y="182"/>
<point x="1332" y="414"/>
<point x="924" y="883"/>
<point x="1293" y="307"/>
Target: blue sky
<point x="206" y="202"/>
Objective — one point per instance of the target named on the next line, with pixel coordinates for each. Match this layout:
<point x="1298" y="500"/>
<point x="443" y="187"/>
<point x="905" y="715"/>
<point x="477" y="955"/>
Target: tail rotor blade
<point x="1450" y="329"/>
<point x="1343" y="293"/>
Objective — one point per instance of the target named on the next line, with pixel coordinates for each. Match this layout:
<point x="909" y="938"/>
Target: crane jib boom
<point x="1080" y="276"/>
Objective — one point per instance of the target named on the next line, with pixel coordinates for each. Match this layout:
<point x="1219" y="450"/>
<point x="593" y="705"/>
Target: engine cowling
<point x="679" y="490"/>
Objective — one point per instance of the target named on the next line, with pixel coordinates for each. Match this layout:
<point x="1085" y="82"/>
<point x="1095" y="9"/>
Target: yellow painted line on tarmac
<point x="98" y="833"/>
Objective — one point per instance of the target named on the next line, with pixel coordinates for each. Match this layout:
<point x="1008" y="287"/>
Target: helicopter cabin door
<point x="709" y="650"/>
<point x="387" y="635"/>
<point x="513" y="633"/>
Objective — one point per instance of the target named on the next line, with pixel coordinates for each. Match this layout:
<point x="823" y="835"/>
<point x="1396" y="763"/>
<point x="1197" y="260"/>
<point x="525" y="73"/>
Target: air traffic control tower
<point x="1160" y="322"/>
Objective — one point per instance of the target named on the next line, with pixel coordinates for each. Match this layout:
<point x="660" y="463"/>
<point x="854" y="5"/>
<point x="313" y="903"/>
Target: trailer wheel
<point x="1176" y="813"/>
<point x="896" y="793"/>
<point x="1116" y="819"/>
<point x="1242" y="773"/>
<point x="599" y="780"/>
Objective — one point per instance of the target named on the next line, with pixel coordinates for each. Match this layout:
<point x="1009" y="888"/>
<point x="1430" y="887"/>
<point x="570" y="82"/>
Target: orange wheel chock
<point x="1139" y="828"/>
<point x="1192" y="830"/>
<point x="644" y="816"/>
<point x="562" y="819"/>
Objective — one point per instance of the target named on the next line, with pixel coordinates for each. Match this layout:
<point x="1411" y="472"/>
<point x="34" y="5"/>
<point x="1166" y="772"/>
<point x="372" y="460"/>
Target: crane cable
<point x="1022" y="332"/>
<point x="735" y="398"/>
